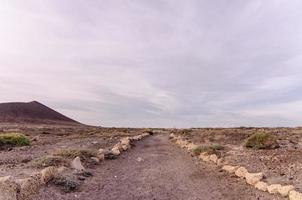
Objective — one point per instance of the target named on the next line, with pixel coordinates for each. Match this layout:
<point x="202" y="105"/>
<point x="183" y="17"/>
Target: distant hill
<point x="31" y="112"/>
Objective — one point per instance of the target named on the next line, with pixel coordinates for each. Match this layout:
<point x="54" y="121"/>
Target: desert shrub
<point x="47" y="161"/>
<point x="212" y="149"/>
<point x="67" y="184"/>
<point x="261" y="141"/>
<point x="73" y="153"/>
<point x="198" y="150"/>
<point x="185" y="132"/>
<point x="13" y="139"/>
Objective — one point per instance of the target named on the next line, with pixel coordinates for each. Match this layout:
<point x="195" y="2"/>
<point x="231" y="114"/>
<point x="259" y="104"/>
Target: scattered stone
<point x="139" y="159"/>
<point x="213" y="158"/>
<point x="253" y="178"/>
<point x="118" y="146"/>
<point x="95" y="159"/>
<point x="273" y="189"/>
<point x="241" y="172"/>
<point x="284" y="190"/>
<point x="48" y="174"/>
<point x="261" y="186"/>
<point x="294" y="195"/>
<point x="220" y="162"/>
<point x="115" y="151"/>
<point x="204" y="157"/>
<point x="8" y="188"/>
<point x="230" y="169"/>
<point x="77" y="164"/>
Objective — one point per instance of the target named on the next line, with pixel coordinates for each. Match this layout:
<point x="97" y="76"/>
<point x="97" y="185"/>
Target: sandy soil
<point x="46" y="139"/>
<point x="282" y="165"/>
<point x="157" y="169"/>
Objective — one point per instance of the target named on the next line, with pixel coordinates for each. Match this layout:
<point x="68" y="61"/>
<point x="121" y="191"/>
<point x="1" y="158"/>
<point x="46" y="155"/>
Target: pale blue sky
<point x="164" y="63"/>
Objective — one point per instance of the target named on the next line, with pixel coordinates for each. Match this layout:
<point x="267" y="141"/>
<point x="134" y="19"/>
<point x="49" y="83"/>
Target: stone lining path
<point x="156" y="169"/>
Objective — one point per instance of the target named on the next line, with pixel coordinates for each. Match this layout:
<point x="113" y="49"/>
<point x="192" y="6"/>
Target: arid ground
<point x="154" y="168"/>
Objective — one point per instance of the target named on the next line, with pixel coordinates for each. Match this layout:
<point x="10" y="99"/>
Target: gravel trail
<point x="155" y="169"/>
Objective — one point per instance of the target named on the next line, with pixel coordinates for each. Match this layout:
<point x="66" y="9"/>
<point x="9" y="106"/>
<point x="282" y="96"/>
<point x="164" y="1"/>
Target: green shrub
<point x="47" y="161"/>
<point x="261" y="141"/>
<point x="13" y="139"/>
<point x="73" y="153"/>
<point x="185" y="132"/>
<point x="198" y="150"/>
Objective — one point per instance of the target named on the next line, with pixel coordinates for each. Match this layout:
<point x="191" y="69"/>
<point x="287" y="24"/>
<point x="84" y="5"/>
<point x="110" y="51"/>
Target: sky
<point x="159" y="63"/>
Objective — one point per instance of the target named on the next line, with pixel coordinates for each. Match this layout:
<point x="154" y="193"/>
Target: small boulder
<point x="261" y="186"/>
<point x="115" y="151"/>
<point x="241" y="172"/>
<point x="284" y="190"/>
<point x="274" y="188"/>
<point x="205" y="157"/>
<point x="294" y="195"/>
<point x="48" y="174"/>
<point x="229" y="168"/>
<point x="77" y="164"/>
<point x="253" y="178"/>
<point x="213" y="158"/>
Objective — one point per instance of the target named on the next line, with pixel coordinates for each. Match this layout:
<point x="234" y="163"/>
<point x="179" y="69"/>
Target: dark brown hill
<point x="31" y="112"/>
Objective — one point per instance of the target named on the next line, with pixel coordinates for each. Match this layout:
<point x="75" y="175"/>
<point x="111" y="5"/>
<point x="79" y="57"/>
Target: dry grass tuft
<point x="73" y="153"/>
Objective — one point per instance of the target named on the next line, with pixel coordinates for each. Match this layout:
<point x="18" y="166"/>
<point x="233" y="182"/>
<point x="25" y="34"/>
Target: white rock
<point x="253" y="178"/>
<point x="261" y="186"/>
<point x="294" y="195"/>
<point x="115" y="151"/>
<point x="118" y="146"/>
<point x="204" y="157"/>
<point x="273" y="189"/>
<point x="77" y="164"/>
<point x="229" y="168"/>
<point x="101" y="151"/>
<point x="241" y="172"/>
<point x="213" y="158"/>
<point x="125" y="141"/>
<point x="220" y="161"/>
<point x="284" y="190"/>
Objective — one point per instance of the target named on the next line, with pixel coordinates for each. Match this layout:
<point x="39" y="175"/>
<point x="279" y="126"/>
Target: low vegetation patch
<point x="13" y="139"/>
<point x="67" y="184"/>
<point x="49" y="160"/>
<point x="212" y="149"/>
<point x="261" y="141"/>
<point x="185" y="132"/>
<point x="73" y="153"/>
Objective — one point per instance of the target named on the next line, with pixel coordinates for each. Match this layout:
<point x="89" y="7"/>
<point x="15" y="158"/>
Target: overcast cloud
<point x="162" y="63"/>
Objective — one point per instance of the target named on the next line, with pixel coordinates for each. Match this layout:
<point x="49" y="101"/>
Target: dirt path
<point x="155" y="169"/>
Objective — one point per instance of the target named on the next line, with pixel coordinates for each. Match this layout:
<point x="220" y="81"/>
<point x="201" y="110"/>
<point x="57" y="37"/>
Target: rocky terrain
<point x="63" y="159"/>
